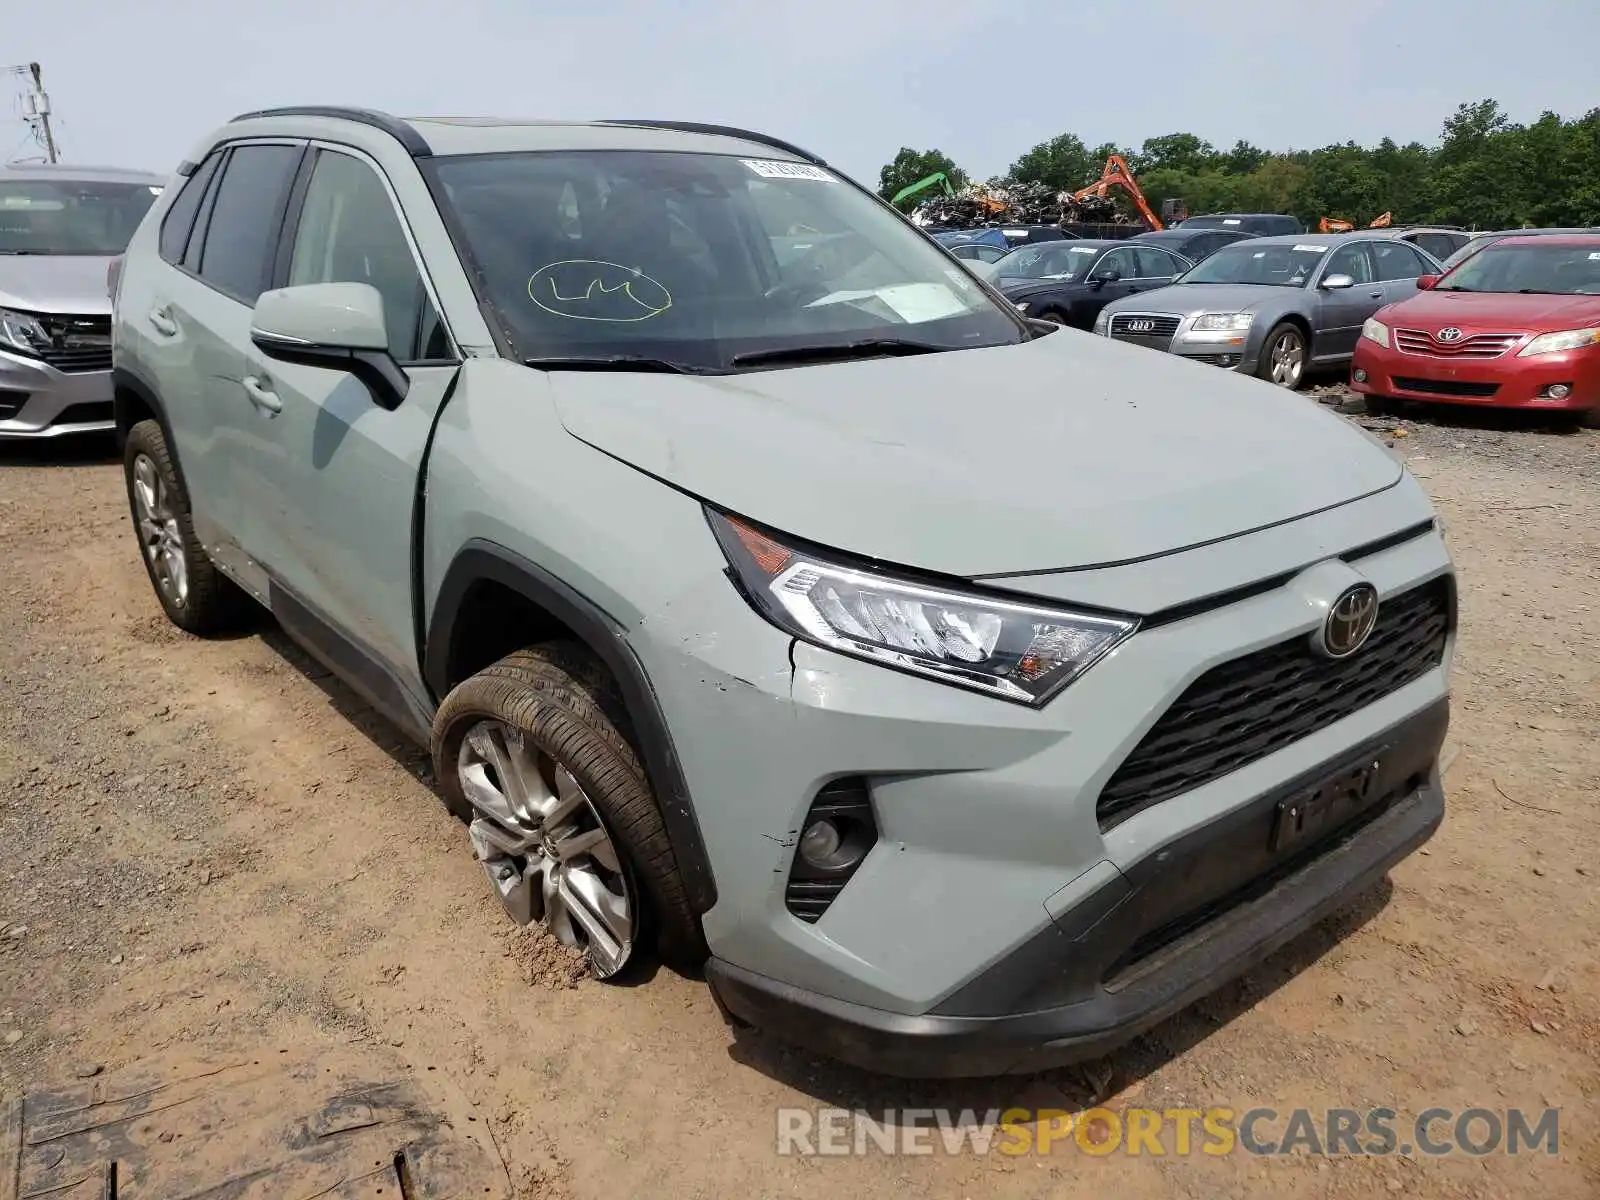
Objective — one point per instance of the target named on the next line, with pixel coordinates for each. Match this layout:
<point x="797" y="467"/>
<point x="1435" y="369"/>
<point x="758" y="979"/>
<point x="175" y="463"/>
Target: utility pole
<point x="36" y="109"/>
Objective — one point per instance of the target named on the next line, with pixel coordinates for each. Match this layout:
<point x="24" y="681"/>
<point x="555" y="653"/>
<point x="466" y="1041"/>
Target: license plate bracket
<point x="1323" y="807"/>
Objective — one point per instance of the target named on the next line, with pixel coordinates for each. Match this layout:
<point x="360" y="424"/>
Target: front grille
<point x="1445" y="387"/>
<point x="1478" y="346"/>
<point x="77" y="343"/>
<point x="1143" y="325"/>
<point x="1246" y="709"/>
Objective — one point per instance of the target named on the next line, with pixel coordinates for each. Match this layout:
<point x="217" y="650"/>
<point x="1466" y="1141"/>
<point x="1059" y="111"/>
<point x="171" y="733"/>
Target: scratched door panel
<point x="338" y="1126"/>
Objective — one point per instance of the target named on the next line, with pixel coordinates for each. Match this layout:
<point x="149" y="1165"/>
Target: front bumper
<point x="1503" y="382"/>
<point x="1234" y="350"/>
<point x="1138" y="946"/>
<point x="38" y="401"/>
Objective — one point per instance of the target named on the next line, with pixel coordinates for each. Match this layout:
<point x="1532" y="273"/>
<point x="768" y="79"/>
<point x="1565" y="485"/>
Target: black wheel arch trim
<point x="124" y="381"/>
<point x="480" y="560"/>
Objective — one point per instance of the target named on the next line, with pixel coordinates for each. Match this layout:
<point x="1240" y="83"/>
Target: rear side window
<point x="179" y="221"/>
<point x="246" y="217"/>
<point x="1396" y="260"/>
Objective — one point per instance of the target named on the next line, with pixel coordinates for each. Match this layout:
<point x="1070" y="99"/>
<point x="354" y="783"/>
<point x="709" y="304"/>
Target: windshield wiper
<point x="613" y="362"/>
<point x="828" y="351"/>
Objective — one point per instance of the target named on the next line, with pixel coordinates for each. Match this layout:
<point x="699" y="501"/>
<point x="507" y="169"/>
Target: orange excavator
<point x="1334" y="225"/>
<point x="1117" y="174"/>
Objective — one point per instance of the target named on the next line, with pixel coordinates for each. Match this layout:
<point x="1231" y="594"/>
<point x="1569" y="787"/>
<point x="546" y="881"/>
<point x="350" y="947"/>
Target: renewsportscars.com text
<point x="1176" y="1132"/>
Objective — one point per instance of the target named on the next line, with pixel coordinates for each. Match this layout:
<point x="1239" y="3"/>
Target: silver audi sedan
<point x="1275" y="307"/>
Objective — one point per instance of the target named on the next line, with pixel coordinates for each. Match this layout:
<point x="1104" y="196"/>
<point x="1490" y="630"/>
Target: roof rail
<point x="724" y="131"/>
<point x="414" y="143"/>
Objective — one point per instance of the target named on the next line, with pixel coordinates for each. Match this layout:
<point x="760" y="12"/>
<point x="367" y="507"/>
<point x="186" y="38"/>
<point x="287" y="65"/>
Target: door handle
<point x="1376" y="295"/>
<point x="162" y="322"/>
<point x="262" y="396"/>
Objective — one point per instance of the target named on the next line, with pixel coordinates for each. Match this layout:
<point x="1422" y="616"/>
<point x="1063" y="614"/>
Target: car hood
<point x="1499" y="312"/>
<point x="1066" y="451"/>
<point x="55" y="283"/>
<point x="1189" y="298"/>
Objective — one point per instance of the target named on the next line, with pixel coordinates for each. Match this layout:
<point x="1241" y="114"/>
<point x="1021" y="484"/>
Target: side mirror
<point x="338" y="326"/>
<point x="1108" y="275"/>
<point x="1337" y="283"/>
<point x="1425" y="283"/>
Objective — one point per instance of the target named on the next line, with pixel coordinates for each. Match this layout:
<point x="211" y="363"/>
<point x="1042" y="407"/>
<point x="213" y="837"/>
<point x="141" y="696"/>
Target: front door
<point x="343" y="472"/>
<point x="1341" y="312"/>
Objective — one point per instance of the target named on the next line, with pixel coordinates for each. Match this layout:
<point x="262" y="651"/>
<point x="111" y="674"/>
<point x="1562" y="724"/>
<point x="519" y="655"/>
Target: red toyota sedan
<point x="1515" y="326"/>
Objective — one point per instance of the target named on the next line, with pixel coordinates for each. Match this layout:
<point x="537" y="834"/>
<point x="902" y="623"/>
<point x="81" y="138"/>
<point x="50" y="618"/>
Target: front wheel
<point x="1283" y="356"/>
<point x="531" y="753"/>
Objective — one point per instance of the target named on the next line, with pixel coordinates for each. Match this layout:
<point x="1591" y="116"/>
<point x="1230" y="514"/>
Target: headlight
<point x="20" y="332"/>
<point x="1554" y="343"/>
<point x="1375" y="330"/>
<point x="1022" y="306"/>
<point x="1102" y="323"/>
<point x="981" y="641"/>
<point x="1211" y="322"/>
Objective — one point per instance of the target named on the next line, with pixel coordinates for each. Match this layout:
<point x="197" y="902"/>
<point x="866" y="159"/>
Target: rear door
<point x="1397" y="265"/>
<point x="202" y="318"/>
<point x="337" y="475"/>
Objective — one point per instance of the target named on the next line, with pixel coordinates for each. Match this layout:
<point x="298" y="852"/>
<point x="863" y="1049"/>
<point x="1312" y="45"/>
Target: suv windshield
<point x="1555" y="270"/>
<point x="65" y="216"/>
<point x="1060" y="262"/>
<point x="1251" y="262"/>
<point x="695" y="259"/>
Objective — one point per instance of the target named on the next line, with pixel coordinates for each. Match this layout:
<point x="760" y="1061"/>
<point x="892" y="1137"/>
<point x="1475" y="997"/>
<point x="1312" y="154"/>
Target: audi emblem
<point x="1349" y="622"/>
<point x="1449" y="334"/>
<point x="1141" y="325"/>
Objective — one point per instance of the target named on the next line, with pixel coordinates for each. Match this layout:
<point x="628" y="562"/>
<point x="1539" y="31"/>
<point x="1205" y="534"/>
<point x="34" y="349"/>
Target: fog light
<point x="1359" y="375"/>
<point x="820" y="843"/>
<point x="1225" y="360"/>
<point x="1556" y="391"/>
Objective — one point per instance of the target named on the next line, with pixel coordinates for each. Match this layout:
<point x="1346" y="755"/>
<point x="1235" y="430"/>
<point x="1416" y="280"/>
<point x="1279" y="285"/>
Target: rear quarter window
<point x="179" y="221"/>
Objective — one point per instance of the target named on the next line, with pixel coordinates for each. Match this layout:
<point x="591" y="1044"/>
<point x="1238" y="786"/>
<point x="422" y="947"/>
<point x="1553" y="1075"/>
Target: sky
<point x="137" y="83"/>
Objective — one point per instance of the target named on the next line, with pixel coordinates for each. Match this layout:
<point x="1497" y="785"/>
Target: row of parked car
<point x="1285" y="306"/>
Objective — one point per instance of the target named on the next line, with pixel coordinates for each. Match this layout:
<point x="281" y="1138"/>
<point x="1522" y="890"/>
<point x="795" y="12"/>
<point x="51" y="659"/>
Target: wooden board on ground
<point x="262" y="1126"/>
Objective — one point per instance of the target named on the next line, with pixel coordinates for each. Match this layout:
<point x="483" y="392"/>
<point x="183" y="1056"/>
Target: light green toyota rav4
<point x="971" y="694"/>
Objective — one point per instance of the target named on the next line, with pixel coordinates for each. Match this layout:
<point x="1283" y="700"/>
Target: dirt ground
<point x="212" y="842"/>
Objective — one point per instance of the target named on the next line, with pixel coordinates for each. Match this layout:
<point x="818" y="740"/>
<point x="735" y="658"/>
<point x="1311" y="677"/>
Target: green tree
<point x="1062" y="164"/>
<point x="910" y="165"/>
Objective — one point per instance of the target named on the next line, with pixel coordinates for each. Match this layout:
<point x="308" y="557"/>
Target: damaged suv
<point x="968" y="694"/>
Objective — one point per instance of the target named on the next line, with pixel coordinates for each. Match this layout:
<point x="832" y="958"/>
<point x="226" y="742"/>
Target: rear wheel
<point x="1283" y="356"/>
<point x="194" y="594"/>
<point x="532" y="753"/>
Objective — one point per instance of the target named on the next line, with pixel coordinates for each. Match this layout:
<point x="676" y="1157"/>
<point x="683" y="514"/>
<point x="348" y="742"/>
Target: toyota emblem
<point x="1449" y="334"/>
<point x="1349" y="622"/>
<point x="1141" y="326"/>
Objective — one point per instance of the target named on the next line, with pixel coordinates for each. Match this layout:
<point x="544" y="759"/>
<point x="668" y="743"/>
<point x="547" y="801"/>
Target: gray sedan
<point x="1273" y="306"/>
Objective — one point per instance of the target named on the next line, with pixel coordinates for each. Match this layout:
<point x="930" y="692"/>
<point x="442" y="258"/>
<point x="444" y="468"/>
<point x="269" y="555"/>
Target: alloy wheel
<point x="1288" y="359"/>
<point x="546" y="850"/>
<point x="159" y="534"/>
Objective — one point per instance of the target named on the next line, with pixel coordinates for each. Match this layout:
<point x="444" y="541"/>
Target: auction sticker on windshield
<point x="769" y="169"/>
<point x="1084" y="250"/>
<point x="1311" y="249"/>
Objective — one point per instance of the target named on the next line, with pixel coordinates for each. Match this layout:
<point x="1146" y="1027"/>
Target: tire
<point x="1054" y="316"/>
<point x="196" y="597"/>
<point x="566" y="711"/>
<point x="1382" y="406"/>
<point x="1285" y="334"/>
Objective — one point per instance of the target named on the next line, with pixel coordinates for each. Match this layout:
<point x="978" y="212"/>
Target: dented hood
<point x="1067" y="451"/>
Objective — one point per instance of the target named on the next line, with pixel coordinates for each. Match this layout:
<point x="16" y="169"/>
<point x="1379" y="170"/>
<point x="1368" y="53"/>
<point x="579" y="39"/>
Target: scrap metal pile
<point x="979" y="205"/>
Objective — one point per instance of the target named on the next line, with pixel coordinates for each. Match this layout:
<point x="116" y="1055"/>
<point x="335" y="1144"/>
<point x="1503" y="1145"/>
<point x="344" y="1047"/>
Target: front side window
<point x="180" y="218"/>
<point x="1539" y="269"/>
<point x="1352" y="261"/>
<point x="1059" y="262"/>
<point x="246" y="216"/>
<point x="698" y="258"/>
<point x="71" y="216"/>
<point x="349" y="232"/>
<point x="1277" y="265"/>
